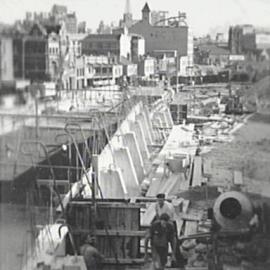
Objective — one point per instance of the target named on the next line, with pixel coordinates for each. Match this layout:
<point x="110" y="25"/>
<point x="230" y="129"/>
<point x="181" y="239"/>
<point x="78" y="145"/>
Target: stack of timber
<point x="116" y="226"/>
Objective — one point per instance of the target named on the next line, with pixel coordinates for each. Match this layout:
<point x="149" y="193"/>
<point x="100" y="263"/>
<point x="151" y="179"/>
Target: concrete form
<point x="112" y="184"/>
<point x="124" y="161"/>
<point x="130" y="141"/>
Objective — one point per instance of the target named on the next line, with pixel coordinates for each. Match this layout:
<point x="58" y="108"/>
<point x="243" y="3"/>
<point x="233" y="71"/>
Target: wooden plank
<point x="106" y="204"/>
<point x="51" y="182"/>
<point x="154" y="187"/>
<point x="207" y="167"/>
<point x="196" y="268"/>
<point x="190" y="228"/>
<point x="120" y="233"/>
<point x="237" y="178"/>
<point x="171" y="185"/>
<point x="123" y="261"/>
<point x="179" y="225"/>
<point x="149" y="215"/>
<point x="185" y="205"/>
<point x="190" y="217"/>
<point x="197" y="171"/>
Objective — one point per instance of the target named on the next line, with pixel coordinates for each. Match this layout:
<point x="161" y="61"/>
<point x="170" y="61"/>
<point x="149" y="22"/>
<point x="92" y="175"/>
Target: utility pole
<point x="177" y="64"/>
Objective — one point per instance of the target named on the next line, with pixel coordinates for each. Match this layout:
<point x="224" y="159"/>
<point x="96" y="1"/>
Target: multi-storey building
<point x="93" y="71"/>
<point x="107" y="44"/>
<point x="6" y="59"/>
<point x="176" y="36"/>
<point x="71" y="23"/>
<point x="59" y="12"/>
<point x="146" y="67"/>
<point x="35" y="52"/>
<point x="242" y="39"/>
<point x="137" y="47"/>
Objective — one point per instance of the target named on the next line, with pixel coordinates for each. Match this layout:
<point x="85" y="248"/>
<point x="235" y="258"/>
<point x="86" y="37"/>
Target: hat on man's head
<point x="161" y="196"/>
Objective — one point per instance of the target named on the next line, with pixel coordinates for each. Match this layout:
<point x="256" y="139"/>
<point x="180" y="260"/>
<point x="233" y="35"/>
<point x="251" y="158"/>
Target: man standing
<point x="163" y="206"/>
<point x="93" y="259"/>
<point x="161" y="233"/>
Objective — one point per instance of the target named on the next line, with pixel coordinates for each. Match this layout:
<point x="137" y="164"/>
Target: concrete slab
<point x="112" y="184"/>
<point x="124" y="161"/>
<point x="138" y="129"/>
<point x="146" y="114"/>
<point x="238" y="178"/>
<point x="130" y="141"/>
<point x="140" y="118"/>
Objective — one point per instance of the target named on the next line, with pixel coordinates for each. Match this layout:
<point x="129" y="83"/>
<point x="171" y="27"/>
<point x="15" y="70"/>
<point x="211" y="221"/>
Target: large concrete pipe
<point x="233" y="211"/>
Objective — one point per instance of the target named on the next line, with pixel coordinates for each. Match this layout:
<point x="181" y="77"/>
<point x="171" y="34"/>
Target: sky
<point x="203" y="16"/>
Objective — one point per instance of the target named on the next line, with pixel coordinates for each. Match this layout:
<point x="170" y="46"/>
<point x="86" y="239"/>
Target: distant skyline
<point x="203" y="16"/>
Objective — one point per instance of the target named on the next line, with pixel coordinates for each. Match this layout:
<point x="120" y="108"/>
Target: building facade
<point x="263" y="40"/>
<point x="137" y="47"/>
<point x="25" y="55"/>
<point x="93" y="72"/>
<point x="54" y="55"/>
<point x="71" y="23"/>
<point x="147" y="67"/>
<point x="160" y="37"/>
<point x="107" y="44"/>
<point x="59" y="12"/>
<point x="170" y="35"/>
<point x="6" y="59"/>
<point x="242" y="39"/>
<point x="36" y="66"/>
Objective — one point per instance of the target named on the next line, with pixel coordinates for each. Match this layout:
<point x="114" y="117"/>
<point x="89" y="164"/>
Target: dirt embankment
<point x="258" y="95"/>
<point x="249" y="153"/>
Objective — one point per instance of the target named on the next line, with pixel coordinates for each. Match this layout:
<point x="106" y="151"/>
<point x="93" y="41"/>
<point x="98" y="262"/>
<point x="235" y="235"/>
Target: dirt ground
<point x="249" y="153"/>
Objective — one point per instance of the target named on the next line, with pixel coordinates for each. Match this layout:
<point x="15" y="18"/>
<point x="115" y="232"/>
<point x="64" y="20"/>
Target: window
<point x="104" y="70"/>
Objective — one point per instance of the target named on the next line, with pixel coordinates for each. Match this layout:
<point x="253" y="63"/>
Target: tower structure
<point x="127" y="18"/>
<point x="146" y="13"/>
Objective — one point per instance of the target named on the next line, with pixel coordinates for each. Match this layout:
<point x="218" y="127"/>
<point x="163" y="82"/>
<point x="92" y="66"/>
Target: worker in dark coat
<point x="93" y="259"/>
<point x="161" y="233"/>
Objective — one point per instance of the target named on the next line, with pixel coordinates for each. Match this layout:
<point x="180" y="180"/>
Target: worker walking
<point x="160" y="234"/>
<point x="162" y="206"/>
<point x="93" y="259"/>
